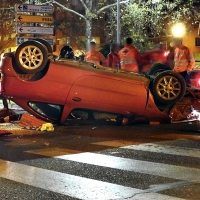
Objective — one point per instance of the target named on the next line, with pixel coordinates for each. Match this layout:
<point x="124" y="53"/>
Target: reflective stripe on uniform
<point x="184" y="59"/>
<point x="181" y="60"/>
<point x="128" y="61"/>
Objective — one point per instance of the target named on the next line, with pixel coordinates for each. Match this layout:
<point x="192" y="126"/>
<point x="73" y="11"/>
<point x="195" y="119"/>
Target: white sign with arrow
<point x="35" y="30"/>
<point x="20" y="40"/>
<point x="33" y="8"/>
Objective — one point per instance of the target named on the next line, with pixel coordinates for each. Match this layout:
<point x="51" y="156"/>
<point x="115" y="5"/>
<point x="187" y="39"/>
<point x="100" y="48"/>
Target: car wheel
<point x="158" y="68"/>
<point x="45" y="43"/>
<point x="168" y="87"/>
<point x="31" y="57"/>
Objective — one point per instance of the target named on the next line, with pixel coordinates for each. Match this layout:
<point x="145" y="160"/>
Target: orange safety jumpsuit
<point x="130" y="58"/>
<point x="183" y="59"/>
<point x="95" y="57"/>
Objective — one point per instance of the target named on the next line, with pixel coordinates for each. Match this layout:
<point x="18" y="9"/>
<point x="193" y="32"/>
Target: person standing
<point x="183" y="59"/>
<point x="95" y="56"/>
<point x="113" y="59"/>
<point x="130" y="57"/>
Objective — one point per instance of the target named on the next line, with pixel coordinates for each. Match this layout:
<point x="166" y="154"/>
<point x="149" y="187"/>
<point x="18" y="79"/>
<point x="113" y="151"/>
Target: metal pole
<point x="118" y="22"/>
<point x="33" y="24"/>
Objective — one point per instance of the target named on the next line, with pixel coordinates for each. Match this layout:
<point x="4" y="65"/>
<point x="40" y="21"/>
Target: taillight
<point x="166" y="53"/>
<point x="198" y="81"/>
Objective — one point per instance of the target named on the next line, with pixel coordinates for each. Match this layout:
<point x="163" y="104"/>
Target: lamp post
<point x="178" y="30"/>
<point x="118" y="22"/>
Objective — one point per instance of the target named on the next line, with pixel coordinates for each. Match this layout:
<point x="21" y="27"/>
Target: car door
<point x="103" y="93"/>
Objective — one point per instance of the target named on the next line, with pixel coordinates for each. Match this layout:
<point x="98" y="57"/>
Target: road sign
<point x="20" y="40"/>
<point x="34" y="30"/>
<point x="34" y="19"/>
<point x="33" y="8"/>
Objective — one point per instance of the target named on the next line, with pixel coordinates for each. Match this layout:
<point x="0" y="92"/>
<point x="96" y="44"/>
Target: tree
<point x="7" y="25"/>
<point x="150" y="20"/>
<point x="90" y="10"/>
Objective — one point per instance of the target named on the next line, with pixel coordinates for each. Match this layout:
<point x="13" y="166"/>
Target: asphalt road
<point x="101" y="162"/>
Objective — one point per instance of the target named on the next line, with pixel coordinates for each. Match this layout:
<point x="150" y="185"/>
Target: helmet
<point x="67" y="52"/>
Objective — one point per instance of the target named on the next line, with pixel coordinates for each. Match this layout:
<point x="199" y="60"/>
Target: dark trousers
<point x="5" y="102"/>
<point x="186" y="76"/>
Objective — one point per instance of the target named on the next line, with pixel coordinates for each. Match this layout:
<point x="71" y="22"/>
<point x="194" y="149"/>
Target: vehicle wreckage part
<point x="31" y="57"/>
<point x="158" y="68"/>
<point x="169" y="87"/>
<point x="182" y="109"/>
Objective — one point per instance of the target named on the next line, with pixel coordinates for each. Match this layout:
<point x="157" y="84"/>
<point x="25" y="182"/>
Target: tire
<point x="168" y="87"/>
<point x="31" y="57"/>
<point x="158" y="68"/>
<point x="45" y="43"/>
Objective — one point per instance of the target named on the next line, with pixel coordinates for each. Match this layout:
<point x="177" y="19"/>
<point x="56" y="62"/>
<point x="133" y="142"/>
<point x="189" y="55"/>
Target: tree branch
<point x="46" y="2"/>
<point x="108" y="6"/>
<point x="68" y="9"/>
<point x="84" y="5"/>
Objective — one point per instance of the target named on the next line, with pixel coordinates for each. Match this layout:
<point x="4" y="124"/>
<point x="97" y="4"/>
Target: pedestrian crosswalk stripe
<point x="165" y="149"/>
<point x="158" y="169"/>
<point x="74" y="186"/>
<point x="66" y="184"/>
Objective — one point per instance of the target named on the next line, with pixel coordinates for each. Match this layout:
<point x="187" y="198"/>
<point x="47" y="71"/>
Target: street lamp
<point x="178" y="30"/>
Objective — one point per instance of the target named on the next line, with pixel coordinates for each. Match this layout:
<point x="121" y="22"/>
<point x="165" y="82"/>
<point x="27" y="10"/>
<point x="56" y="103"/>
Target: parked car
<point x="195" y="78"/>
<point x="52" y="89"/>
<point x="156" y="57"/>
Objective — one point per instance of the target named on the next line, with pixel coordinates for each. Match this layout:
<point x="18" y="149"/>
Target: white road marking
<point x="74" y="186"/>
<point x="62" y="183"/>
<point x="158" y="169"/>
<point x="166" y="149"/>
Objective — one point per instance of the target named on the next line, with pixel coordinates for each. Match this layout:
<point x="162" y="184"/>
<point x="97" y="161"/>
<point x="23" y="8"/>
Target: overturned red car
<point x="52" y="89"/>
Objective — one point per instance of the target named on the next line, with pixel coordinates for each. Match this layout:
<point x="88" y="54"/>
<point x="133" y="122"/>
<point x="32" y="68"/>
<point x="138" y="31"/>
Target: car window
<point x="51" y="111"/>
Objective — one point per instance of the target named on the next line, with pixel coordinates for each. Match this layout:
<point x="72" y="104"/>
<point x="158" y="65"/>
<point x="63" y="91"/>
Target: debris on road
<point x="32" y="123"/>
<point x="46" y="144"/>
<point x="29" y="121"/>
<point x="46" y="127"/>
<point x="4" y="132"/>
<point x="7" y="115"/>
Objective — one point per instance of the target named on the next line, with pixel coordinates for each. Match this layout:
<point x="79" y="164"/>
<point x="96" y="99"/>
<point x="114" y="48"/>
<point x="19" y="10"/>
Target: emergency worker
<point x="113" y="59"/>
<point x="130" y="57"/>
<point x="95" y="56"/>
<point x="183" y="59"/>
